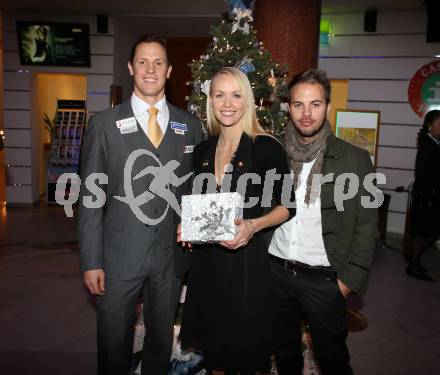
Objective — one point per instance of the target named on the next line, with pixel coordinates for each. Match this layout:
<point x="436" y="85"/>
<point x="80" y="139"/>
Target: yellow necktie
<point x="154" y="131"/>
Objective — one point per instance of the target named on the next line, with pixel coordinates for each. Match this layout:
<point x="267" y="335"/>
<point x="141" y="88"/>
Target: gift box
<point x="210" y="217"/>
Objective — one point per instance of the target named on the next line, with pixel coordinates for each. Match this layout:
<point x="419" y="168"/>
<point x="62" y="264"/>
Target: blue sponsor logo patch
<point x="178" y="126"/>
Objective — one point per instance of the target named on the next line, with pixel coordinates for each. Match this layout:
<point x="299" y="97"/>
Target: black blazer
<point x="257" y="156"/>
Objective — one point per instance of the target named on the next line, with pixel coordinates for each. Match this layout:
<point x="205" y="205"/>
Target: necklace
<point x="227" y="167"/>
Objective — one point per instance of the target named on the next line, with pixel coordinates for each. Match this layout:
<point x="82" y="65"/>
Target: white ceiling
<point x="178" y="8"/>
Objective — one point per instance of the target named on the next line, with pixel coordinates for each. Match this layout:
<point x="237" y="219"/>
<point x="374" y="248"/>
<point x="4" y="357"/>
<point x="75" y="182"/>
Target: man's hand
<point x="345" y="290"/>
<point x="179" y="237"/>
<point x="95" y="281"/>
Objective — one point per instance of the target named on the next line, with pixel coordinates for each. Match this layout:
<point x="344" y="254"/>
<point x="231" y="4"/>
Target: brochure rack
<point x="70" y="120"/>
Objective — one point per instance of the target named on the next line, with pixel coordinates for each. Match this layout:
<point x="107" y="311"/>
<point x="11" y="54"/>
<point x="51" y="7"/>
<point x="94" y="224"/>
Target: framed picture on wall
<point x="360" y="128"/>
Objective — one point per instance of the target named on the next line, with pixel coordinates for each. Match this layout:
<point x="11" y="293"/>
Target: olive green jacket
<point x="350" y="234"/>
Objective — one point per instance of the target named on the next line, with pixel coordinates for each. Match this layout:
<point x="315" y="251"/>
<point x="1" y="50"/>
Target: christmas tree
<point x="235" y="44"/>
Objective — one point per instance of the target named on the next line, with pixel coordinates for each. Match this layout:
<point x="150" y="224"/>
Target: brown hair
<point x="313" y="76"/>
<point x="149" y="39"/>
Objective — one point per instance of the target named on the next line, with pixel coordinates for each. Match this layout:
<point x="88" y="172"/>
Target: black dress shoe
<point x="418" y="275"/>
<point x="423" y="269"/>
<point x="408" y="260"/>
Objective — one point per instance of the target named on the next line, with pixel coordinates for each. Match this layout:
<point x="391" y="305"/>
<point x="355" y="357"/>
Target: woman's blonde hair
<point x="251" y="126"/>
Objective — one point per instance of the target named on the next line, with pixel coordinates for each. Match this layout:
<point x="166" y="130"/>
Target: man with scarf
<point x="322" y="254"/>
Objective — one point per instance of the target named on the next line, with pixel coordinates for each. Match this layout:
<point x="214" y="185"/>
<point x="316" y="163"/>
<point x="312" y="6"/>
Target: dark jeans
<point x="318" y="301"/>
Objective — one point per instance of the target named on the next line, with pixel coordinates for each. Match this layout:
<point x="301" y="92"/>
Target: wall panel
<point x="392" y="113"/>
<point x="16" y="81"/>
<point x="19" y="175"/>
<point x="378" y="90"/>
<point x="101" y="45"/>
<point x="18" y="157"/>
<point x="398" y="201"/>
<point x="385" y="68"/>
<point x="387" y="23"/>
<point x="16" y="99"/>
<point x="400" y="158"/>
<point x="17" y="138"/>
<point x="17" y="119"/>
<point x="400" y="136"/>
<point x="396" y="222"/>
<point x="99" y="83"/>
<point x="98" y="102"/>
<point x="396" y="177"/>
<point x="19" y="194"/>
<point x="393" y="45"/>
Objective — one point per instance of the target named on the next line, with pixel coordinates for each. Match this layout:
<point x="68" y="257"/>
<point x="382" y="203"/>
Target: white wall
<point x="379" y="67"/>
<point x="21" y="144"/>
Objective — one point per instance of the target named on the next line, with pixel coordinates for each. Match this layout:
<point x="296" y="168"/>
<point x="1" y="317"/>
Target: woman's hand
<point x="245" y="232"/>
<point x="179" y="237"/>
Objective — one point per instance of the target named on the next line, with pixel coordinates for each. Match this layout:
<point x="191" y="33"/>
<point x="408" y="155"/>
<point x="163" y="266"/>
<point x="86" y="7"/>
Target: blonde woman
<point x="227" y="313"/>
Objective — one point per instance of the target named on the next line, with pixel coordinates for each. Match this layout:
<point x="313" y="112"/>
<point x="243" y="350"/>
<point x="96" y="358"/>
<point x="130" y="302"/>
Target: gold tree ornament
<point x="272" y="81"/>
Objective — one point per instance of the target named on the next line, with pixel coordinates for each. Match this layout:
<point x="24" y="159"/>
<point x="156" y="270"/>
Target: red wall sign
<point x="424" y="89"/>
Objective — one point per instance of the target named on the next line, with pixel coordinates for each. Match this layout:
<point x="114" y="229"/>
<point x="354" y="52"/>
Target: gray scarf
<point x="300" y="153"/>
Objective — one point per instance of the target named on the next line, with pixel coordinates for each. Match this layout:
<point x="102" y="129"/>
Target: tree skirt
<point x="191" y="363"/>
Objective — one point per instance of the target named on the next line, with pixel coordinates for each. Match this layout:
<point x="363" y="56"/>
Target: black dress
<point x="228" y="307"/>
<point x="425" y="208"/>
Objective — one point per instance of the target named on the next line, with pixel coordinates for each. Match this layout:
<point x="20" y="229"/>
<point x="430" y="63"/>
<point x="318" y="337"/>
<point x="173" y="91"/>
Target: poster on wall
<point x="424" y="89"/>
<point x="53" y="44"/>
<point x="360" y="128"/>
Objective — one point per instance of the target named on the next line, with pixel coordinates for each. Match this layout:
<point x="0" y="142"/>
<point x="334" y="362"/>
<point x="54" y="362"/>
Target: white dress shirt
<point x="300" y="238"/>
<point x="140" y="110"/>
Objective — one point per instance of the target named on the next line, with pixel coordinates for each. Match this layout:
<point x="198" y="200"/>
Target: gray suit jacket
<point x="111" y="237"/>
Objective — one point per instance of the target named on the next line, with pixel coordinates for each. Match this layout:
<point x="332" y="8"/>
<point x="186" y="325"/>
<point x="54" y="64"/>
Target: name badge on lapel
<point x="127" y="125"/>
<point x="178" y="127"/>
<point x="189" y="149"/>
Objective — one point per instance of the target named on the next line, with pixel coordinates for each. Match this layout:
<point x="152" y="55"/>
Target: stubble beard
<point x="307" y="137"/>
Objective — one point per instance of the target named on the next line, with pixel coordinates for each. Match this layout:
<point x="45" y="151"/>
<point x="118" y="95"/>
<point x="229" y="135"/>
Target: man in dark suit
<point x="128" y="245"/>
<point x="325" y="252"/>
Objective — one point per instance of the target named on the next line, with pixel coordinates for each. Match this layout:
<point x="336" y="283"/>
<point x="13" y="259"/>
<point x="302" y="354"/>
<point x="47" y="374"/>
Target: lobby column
<point x="289" y="29"/>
